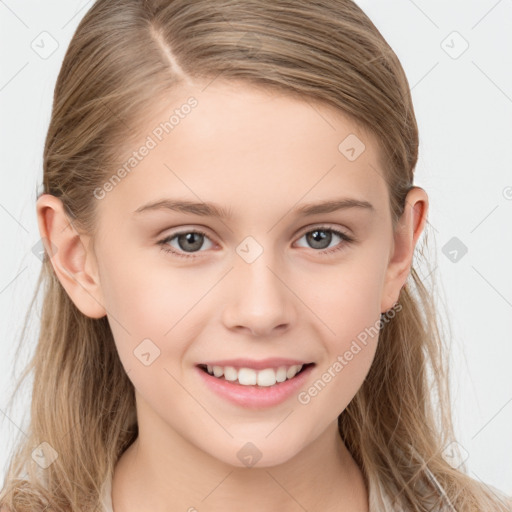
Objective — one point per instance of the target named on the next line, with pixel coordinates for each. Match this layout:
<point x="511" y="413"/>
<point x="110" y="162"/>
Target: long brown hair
<point x="124" y="55"/>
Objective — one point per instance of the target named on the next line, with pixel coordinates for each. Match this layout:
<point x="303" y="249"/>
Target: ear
<point x="71" y="255"/>
<point x="408" y="230"/>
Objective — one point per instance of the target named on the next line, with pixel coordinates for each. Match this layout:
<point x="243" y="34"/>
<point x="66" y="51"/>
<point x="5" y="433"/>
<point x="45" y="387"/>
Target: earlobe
<point x="69" y="256"/>
<point x="407" y="233"/>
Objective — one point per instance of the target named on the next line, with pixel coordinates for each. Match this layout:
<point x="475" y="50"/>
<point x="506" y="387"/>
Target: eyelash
<point x="168" y="249"/>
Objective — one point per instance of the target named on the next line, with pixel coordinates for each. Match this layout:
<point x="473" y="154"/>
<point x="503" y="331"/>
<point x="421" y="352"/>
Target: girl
<point x="289" y="359"/>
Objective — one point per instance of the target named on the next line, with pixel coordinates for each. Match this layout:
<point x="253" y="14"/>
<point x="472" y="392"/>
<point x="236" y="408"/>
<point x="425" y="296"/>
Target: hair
<point x="124" y="56"/>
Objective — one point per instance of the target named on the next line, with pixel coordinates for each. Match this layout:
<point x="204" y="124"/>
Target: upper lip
<point x="260" y="364"/>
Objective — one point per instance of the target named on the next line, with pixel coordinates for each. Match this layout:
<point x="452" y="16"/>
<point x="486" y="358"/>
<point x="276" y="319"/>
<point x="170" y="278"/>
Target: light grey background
<point x="463" y="103"/>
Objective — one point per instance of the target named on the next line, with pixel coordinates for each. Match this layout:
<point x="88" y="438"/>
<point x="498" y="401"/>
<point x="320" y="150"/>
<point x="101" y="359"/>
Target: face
<point x="270" y="278"/>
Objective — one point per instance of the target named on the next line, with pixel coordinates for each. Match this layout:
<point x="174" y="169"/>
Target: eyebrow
<point x="213" y="210"/>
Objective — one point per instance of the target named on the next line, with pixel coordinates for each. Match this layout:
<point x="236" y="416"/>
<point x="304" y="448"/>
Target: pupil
<point x="319" y="237"/>
<point x="189" y="238"/>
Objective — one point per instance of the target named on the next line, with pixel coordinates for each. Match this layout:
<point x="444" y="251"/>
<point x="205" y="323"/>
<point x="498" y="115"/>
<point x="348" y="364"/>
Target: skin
<point x="261" y="155"/>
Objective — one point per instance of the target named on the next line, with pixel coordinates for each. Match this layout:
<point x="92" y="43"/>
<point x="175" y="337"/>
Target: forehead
<point x="247" y="148"/>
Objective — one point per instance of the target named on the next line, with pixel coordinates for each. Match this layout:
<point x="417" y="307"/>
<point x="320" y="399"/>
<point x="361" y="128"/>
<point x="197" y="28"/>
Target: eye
<point x="187" y="241"/>
<point x="322" y="236"/>
<point x="191" y="241"/>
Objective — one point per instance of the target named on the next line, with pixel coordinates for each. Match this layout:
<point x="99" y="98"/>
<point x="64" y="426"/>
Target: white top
<point x="378" y="501"/>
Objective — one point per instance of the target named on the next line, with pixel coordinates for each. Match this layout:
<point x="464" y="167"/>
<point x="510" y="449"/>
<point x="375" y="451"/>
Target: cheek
<point x="348" y="297"/>
<point x="147" y="297"/>
<point x="353" y="318"/>
<point x="143" y="303"/>
<point x="347" y="302"/>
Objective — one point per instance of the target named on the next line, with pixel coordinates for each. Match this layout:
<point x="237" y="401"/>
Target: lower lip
<point x="256" y="397"/>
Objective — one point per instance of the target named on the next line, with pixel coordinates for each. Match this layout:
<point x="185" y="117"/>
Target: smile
<point x="250" y="377"/>
<point x="256" y="389"/>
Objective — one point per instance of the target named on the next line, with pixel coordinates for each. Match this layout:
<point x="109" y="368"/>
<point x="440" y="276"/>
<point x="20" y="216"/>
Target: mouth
<point x="262" y="378"/>
<point x="256" y="389"/>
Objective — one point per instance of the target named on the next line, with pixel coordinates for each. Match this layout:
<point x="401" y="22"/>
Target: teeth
<point x="230" y="373"/>
<point x="266" y="377"/>
<point x="250" y="377"/>
<point x="281" y="374"/>
<point x="247" y="377"/>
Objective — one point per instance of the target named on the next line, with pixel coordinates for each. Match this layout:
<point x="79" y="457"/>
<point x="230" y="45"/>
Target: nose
<point x="258" y="299"/>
